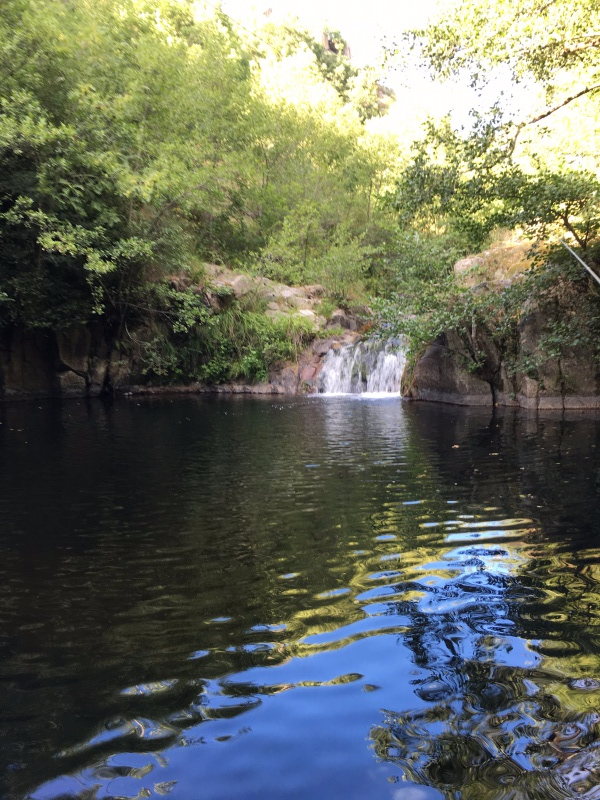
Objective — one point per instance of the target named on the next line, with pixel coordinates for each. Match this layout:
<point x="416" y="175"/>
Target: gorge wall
<point x="87" y="361"/>
<point x="526" y="377"/>
<point x="84" y="361"/>
<point x="80" y="361"/>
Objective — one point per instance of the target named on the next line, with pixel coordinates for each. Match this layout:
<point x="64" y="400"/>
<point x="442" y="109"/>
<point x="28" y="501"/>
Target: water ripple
<point x="299" y="599"/>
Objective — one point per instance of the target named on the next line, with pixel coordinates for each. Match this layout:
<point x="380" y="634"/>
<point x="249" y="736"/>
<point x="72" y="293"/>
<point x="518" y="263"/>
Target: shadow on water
<point x="322" y="597"/>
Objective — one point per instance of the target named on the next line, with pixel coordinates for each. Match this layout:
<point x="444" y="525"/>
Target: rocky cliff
<point x="87" y="361"/>
<point x="79" y="361"/>
<point x="527" y="374"/>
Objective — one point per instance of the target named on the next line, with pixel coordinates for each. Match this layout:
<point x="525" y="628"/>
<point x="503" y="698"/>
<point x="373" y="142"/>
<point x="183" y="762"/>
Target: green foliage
<point x="466" y="187"/>
<point x="426" y="309"/>
<point x="190" y="342"/>
<point x="407" y="260"/>
<point x="137" y="139"/>
<point x="357" y="88"/>
<point x="341" y="270"/>
<point x="458" y="186"/>
<point x="567" y="201"/>
<point x="508" y="170"/>
<point x="245" y="344"/>
<point x="98" y="176"/>
<point x="534" y="38"/>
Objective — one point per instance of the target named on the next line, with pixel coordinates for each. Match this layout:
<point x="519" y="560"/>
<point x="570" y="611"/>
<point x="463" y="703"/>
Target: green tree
<point x="533" y="39"/>
<point x="514" y="166"/>
<point x="99" y="175"/>
<point x="138" y="140"/>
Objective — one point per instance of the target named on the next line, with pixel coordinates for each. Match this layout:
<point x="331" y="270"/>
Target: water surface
<point x="321" y="597"/>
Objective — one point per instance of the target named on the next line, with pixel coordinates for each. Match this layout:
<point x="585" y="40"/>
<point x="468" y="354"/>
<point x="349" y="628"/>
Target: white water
<point x="366" y="368"/>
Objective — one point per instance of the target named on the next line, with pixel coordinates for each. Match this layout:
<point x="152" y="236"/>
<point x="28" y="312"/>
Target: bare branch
<point x="523" y="12"/>
<point x="550" y="111"/>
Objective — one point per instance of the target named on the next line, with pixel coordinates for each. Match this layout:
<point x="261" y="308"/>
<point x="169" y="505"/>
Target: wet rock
<point x="448" y="373"/>
<point x="308" y="373"/>
<point x="284" y="381"/>
<point x="322" y="346"/>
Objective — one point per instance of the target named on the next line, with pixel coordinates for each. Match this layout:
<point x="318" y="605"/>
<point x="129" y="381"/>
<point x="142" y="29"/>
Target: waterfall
<point x="368" y="367"/>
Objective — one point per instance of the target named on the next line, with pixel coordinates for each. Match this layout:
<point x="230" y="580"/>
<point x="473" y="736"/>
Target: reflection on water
<point x="324" y="597"/>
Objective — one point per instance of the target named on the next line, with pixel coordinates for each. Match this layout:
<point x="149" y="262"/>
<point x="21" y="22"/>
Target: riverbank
<point x="82" y="362"/>
<point x="247" y="335"/>
<point x="522" y="336"/>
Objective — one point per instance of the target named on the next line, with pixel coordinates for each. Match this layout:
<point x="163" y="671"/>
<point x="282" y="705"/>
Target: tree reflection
<point x="261" y="574"/>
<point x="491" y="718"/>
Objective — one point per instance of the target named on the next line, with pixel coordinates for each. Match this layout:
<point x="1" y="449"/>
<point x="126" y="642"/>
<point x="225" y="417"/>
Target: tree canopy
<point x="528" y="165"/>
<point x="141" y="139"/>
<point x="536" y="166"/>
<point x="138" y="138"/>
<point x="534" y="39"/>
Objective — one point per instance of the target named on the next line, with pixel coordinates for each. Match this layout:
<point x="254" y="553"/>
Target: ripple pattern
<point x="330" y="597"/>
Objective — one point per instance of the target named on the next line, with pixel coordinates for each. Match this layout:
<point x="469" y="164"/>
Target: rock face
<point x="571" y="381"/>
<point x="281" y="300"/>
<point x="440" y="376"/>
<point x="498" y="265"/>
<point x="287" y="379"/>
<point x="340" y="319"/>
<point x="447" y="373"/>
<point x="84" y="361"/>
<point x="80" y="362"/>
<point x="72" y="363"/>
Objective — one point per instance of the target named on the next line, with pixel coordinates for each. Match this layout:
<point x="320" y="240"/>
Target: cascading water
<point x="368" y="367"/>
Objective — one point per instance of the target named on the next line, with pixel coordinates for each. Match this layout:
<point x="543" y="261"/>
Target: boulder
<point x="340" y="319"/>
<point x="241" y="285"/>
<point x="289" y="292"/>
<point x="284" y="381"/>
<point x="468" y="264"/>
<point x="300" y="302"/>
<point x="570" y="380"/>
<point x="314" y="290"/>
<point x="440" y="375"/>
<point x="322" y="346"/>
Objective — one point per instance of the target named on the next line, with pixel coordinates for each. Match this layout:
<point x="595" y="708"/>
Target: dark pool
<point x="315" y="598"/>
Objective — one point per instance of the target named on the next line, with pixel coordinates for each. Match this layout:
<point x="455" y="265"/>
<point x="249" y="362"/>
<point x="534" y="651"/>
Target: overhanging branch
<point x="566" y="102"/>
